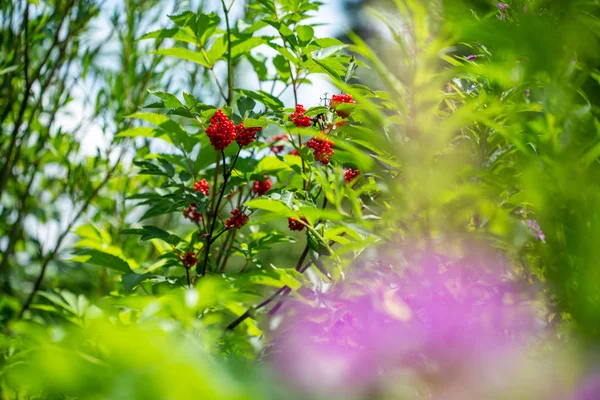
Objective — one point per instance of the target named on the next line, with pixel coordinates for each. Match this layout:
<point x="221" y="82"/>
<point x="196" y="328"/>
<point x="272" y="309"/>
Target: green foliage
<point x="462" y="133"/>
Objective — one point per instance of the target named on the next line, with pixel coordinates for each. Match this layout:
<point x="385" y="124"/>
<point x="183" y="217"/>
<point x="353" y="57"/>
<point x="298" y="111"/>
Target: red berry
<point x="322" y="148"/>
<point x="201" y="187"/>
<point x="192" y="213"/>
<point x="245" y="136"/>
<point x="298" y="118"/>
<point x="295" y="153"/>
<point x="278" y="138"/>
<point x="237" y="220"/>
<point x="296" y="225"/>
<point x="350" y="175"/>
<point x="338" y="99"/>
<point x="221" y="132"/>
<point x="261" y="187"/>
<point x="189" y="259"/>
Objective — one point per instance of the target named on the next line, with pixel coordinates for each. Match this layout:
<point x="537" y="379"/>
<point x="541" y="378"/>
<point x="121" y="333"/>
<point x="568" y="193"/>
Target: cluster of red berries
<point x="338" y="99"/>
<point x="262" y="187"/>
<point x="237" y="220"/>
<point x="296" y="225"/>
<point x="322" y="149"/>
<point x="189" y="259"/>
<point x="192" y="213"/>
<point x="278" y="138"/>
<point x="245" y="136"/>
<point x="298" y="118"/>
<point x="201" y="187"/>
<point x="350" y="175"/>
<point x="221" y="132"/>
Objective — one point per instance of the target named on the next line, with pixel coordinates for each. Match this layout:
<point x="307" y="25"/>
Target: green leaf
<point x="190" y="100"/>
<point x="265" y="98"/>
<point x="170" y="100"/>
<point x="282" y="66"/>
<point x="206" y="25"/>
<point x="274" y="206"/>
<point x="245" y="104"/>
<point x="328" y="42"/>
<point x="244" y="45"/>
<point x="149" y="232"/>
<point x="271" y="164"/>
<point x="253" y="122"/>
<point x="168" y="168"/>
<point x="97" y="257"/>
<point x="305" y="34"/>
<point x="218" y="48"/>
<point x="351" y="69"/>
<point x="331" y="71"/>
<point x="174" y="33"/>
<point x="185" y="54"/>
<point x="318" y="263"/>
<point x="144" y="131"/>
<point x="183" y="19"/>
<point x="130" y="281"/>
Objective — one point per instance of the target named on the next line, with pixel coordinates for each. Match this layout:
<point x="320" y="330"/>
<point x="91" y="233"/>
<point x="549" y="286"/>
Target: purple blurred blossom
<point x="471" y="57"/>
<point x="443" y="315"/>
<point x="502" y="6"/>
<point x="590" y="390"/>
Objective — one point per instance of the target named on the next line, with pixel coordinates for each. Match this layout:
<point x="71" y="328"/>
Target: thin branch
<point x="229" y="61"/>
<point x="282" y="290"/>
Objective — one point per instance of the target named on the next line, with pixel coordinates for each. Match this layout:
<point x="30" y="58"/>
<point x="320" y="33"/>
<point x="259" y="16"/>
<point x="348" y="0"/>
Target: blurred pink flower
<point x="436" y="317"/>
<point x="590" y="390"/>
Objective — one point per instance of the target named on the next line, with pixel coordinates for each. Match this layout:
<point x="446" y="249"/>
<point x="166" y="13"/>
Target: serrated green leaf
<point x="185" y="54"/>
<point x="97" y="257"/>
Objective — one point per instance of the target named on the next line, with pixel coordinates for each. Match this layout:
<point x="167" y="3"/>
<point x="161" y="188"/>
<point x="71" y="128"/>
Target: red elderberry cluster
<point x="221" y="132"/>
<point x="192" y="213"/>
<point x="338" y="99"/>
<point x="201" y="187"/>
<point x="262" y="187"/>
<point x="296" y="225"/>
<point x="237" y="220"/>
<point x="278" y="138"/>
<point x="189" y="259"/>
<point x="322" y="149"/>
<point x="350" y="175"/>
<point x="245" y="136"/>
<point x="298" y="118"/>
